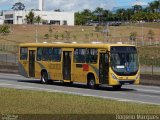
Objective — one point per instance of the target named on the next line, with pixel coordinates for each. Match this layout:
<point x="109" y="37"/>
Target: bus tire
<point x="44" y="78"/>
<point x="117" y="87"/>
<point x="91" y="83"/>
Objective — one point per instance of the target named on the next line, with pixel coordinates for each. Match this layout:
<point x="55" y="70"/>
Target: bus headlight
<point x="114" y="77"/>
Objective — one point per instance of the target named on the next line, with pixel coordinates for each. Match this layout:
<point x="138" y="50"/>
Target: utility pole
<point x="36" y="34"/>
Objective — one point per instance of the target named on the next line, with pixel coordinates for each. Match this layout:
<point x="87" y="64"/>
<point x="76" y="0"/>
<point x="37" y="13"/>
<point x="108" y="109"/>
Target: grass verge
<point x="14" y="101"/>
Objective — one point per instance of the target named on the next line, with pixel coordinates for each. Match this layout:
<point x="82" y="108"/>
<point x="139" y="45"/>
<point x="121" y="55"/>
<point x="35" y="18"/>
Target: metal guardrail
<point x="8" y="59"/>
<point x="5" y="47"/>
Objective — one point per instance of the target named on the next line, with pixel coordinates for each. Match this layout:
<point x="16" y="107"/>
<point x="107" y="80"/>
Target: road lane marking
<point x="75" y="93"/>
<point x="30" y="87"/>
<point x="152" y="91"/>
<point x="22" y="86"/>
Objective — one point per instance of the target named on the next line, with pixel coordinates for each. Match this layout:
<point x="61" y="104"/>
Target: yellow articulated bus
<point x="94" y="64"/>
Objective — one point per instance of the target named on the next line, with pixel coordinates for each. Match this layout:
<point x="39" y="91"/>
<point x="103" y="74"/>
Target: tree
<point x="99" y="13"/>
<point x="129" y="13"/>
<point x="79" y="19"/>
<point x="137" y="8"/>
<point x="133" y="36"/>
<point x="136" y="13"/>
<point x="154" y="6"/>
<point x="46" y="36"/>
<point x="139" y="16"/>
<point x="121" y="14"/>
<point x="30" y="17"/>
<point x="151" y="34"/>
<point x="4" y="30"/>
<point x="50" y="31"/>
<point x="18" y="6"/>
<point x="38" y="19"/>
<point x="83" y="17"/>
<point x="68" y="35"/>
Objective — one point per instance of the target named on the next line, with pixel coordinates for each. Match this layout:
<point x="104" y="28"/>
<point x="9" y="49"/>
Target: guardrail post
<point x="6" y="58"/>
<point x="152" y="65"/>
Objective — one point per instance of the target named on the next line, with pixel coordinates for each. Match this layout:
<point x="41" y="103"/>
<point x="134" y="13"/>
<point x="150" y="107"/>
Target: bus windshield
<point x="124" y="60"/>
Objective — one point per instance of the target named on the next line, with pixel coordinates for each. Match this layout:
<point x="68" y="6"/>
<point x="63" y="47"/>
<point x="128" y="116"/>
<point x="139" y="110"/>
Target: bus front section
<point x="124" y="66"/>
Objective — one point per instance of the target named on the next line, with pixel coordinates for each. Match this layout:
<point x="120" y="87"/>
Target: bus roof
<point x="72" y="45"/>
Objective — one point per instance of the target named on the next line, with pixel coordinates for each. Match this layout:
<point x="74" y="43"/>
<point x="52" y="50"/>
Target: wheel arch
<point x="44" y="70"/>
<point x="91" y="75"/>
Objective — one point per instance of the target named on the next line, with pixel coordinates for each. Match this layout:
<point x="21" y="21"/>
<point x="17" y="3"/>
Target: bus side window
<point x="39" y="54"/>
<point x="50" y="52"/>
<point x="45" y="54"/>
<point x="23" y="53"/>
<point x="56" y="55"/>
<point x="91" y="56"/>
<point x="79" y="55"/>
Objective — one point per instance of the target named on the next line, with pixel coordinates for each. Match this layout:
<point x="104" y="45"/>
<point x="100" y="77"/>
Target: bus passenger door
<point x="67" y="55"/>
<point x="31" y="63"/>
<point x="103" y="68"/>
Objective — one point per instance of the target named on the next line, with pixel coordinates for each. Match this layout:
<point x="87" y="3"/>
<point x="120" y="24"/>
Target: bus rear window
<point x="23" y="53"/>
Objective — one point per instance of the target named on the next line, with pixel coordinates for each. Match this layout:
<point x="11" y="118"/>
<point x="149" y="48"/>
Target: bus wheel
<point x="44" y="78"/>
<point x="117" y="87"/>
<point x="91" y="83"/>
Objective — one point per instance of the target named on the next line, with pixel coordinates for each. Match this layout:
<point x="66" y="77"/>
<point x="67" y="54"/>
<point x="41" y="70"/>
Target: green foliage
<point x="38" y="19"/>
<point x="46" y="36"/>
<point x="19" y="102"/>
<point x="154" y="6"/>
<point x="50" y="30"/>
<point x="68" y="34"/>
<point x="30" y="17"/>
<point x="151" y="34"/>
<point x="62" y="36"/>
<point x="98" y="28"/>
<point x="56" y="36"/>
<point x="74" y="37"/>
<point x="146" y="53"/>
<point x="136" y="13"/>
<point x="18" y="6"/>
<point x="133" y="36"/>
<point x="145" y="16"/>
<point x="4" y="30"/>
<point x="91" y="34"/>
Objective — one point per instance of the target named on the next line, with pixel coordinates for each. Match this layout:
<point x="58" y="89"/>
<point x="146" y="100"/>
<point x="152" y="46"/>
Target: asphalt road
<point x="128" y="93"/>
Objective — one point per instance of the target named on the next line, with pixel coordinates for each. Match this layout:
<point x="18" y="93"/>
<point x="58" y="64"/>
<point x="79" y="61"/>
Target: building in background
<point x="1" y="18"/>
<point x="48" y="17"/>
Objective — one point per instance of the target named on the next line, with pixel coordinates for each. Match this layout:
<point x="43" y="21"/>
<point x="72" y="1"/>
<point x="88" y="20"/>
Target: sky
<point x="72" y="5"/>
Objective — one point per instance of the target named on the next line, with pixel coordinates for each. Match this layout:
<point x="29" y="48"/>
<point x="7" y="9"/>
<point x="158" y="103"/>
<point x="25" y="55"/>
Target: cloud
<point x="66" y="5"/>
<point x="139" y="3"/>
<point x="77" y="5"/>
